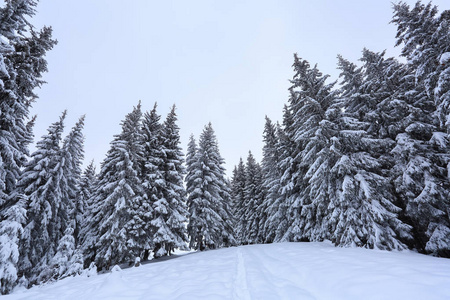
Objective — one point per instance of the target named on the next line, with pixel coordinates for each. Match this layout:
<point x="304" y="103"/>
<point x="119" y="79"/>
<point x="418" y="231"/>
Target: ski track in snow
<point x="275" y="271"/>
<point x="240" y="284"/>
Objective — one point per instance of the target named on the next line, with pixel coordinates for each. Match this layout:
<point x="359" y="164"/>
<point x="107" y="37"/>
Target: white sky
<point x="227" y="62"/>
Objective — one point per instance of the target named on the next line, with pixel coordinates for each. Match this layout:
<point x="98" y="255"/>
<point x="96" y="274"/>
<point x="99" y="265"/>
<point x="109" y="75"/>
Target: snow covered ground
<point x="276" y="271"/>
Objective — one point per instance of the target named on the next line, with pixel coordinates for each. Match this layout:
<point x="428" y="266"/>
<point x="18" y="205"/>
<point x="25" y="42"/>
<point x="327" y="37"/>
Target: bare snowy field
<point x="276" y="271"/>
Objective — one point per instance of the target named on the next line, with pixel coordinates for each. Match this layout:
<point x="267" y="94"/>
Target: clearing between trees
<point x="273" y="271"/>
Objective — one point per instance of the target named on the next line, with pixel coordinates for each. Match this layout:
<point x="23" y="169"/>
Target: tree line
<point x="364" y="163"/>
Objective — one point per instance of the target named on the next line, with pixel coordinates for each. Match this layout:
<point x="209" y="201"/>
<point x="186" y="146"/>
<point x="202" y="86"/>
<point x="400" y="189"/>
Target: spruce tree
<point x="310" y="97"/>
<point x="170" y="211"/>
<point x="271" y="176"/>
<point x="365" y="213"/>
<point x="279" y="218"/>
<point x="67" y="261"/>
<point x="72" y="157"/>
<point x="237" y="200"/>
<point x="208" y="226"/>
<point x="425" y="37"/>
<point x="110" y="235"/>
<point x="152" y="176"/>
<point x="82" y="206"/>
<point x="22" y="51"/>
<point x="253" y="199"/>
<point x="44" y="187"/>
<point x="422" y="149"/>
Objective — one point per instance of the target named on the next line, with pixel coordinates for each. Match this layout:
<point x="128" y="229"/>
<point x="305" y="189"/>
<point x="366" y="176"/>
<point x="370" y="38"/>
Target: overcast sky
<point x="225" y="62"/>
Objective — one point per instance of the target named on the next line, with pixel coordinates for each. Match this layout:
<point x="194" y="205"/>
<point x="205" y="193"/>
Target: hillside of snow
<point x="275" y="271"/>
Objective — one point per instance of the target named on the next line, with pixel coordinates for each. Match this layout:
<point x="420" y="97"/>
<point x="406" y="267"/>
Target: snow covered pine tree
<point x="22" y="63"/>
<point x="209" y="224"/>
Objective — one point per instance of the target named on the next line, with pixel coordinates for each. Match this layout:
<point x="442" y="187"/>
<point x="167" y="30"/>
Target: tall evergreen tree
<point x="109" y="235"/>
<point x="82" y="206"/>
<point x="44" y="187"/>
<point x="237" y="202"/>
<point x="206" y="185"/>
<point x="22" y="63"/>
<point x="72" y="158"/>
<point x="425" y="37"/>
<point x="271" y="178"/>
<point x="313" y="134"/>
<point x="310" y="98"/>
<point x="423" y="148"/>
<point x="364" y="210"/>
<point x="253" y="199"/>
<point x="170" y="211"/>
<point x="279" y="218"/>
<point x="152" y="177"/>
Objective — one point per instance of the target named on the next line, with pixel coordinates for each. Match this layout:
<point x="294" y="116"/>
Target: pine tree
<point x="364" y="210"/>
<point x="314" y="134"/>
<point x="310" y="98"/>
<point x="271" y="178"/>
<point x="22" y="63"/>
<point x="237" y="202"/>
<point x="82" y="206"/>
<point x="72" y="157"/>
<point x="422" y="149"/>
<point x="279" y="218"/>
<point x="170" y="211"/>
<point x="208" y="226"/>
<point x="66" y="261"/>
<point x="43" y="184"/>
<point x="152" y="176"/>
<point x="194" y="201"/>
<point x="253" y="199"/>
<point x="110" y="235"/>
<point x="426" y="40"/>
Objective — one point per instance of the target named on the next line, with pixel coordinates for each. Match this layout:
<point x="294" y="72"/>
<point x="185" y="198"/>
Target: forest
<point x="362" y="161"/>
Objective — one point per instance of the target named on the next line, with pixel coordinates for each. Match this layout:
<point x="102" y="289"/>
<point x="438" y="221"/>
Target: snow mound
<point x="275" y="271"/>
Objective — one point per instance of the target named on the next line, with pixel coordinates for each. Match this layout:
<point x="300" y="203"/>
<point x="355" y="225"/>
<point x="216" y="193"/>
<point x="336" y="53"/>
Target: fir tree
<point x="422" y="149"/>
<point x="425" y="37"/>
<point x="271" y="178"/>
<point x="152" y="177"/>
<point x="170" y="211"/>
<point x="110" y="235"/>
<point x="208" y="226"/>
<point x="310" y="98"/>
<point x="72" y="157"/>
<point x="253" y="199"/>
<point x="82" y="206"/>
<point x="237" y="196"/>
<point x="279" y="218"/>
<point x="364" y="210"/>
<point x="67" y="261"/>
<point x="22" y="63"/>
<point x="44" y="186"/>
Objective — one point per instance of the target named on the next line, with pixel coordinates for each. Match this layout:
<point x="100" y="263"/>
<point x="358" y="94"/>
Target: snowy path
<point x="277" y="271"/>
<point x="240" y="282"/>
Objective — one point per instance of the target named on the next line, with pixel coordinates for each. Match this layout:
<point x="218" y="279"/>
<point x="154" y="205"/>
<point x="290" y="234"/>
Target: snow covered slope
<point x="276" y="271"/>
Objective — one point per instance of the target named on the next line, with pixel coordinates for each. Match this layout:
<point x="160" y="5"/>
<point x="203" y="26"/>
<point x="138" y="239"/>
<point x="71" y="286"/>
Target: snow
<point x="274" y="271"/>
<point x="445" y="57"/>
